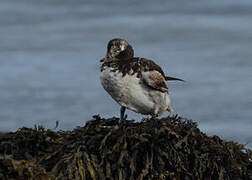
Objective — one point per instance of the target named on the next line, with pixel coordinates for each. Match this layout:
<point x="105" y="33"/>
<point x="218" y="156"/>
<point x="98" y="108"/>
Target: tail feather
<point x="168" y="78"/>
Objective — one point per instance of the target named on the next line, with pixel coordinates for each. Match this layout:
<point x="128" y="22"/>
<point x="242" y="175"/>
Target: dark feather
<point x="168" y="78"/>
<point x="156" y="81"/>
<point x="137" y="65"/>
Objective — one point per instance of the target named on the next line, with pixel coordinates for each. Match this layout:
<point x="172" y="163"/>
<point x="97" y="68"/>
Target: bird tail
<point x="168" y="78"/>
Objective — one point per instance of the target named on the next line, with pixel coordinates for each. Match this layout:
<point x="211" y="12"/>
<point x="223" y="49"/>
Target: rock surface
<point x="169" y="148"/>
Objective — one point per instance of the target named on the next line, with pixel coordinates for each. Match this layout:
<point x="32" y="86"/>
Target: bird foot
<point x="154" y="117"/>
<point x="123" y="120"/>
<point x="155" y="121"/>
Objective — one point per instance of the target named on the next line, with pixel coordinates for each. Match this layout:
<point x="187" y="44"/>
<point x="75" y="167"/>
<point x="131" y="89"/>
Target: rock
<point x="168" y="148"/>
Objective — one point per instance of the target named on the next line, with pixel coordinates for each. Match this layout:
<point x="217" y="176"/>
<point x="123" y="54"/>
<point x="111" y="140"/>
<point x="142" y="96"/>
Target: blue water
<point x="50" y="52"/>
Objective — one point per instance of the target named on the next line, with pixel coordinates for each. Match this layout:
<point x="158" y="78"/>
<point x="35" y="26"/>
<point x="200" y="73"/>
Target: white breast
<point x="131" y="92"/>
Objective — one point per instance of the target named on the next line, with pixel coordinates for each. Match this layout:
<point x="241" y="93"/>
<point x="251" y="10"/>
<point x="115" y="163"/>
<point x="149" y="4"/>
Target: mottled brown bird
<point x="135" y="83"/>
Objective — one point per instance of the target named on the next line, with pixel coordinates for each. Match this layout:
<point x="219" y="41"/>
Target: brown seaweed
<point x="168" y="148"/>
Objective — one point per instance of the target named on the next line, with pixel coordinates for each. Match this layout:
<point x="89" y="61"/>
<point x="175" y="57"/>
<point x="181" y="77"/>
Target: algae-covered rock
<point x="169" y="148"/>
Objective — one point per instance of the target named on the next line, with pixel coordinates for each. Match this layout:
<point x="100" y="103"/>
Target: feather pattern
<point x="155" y="80"/>
<point x="133" y="65"/>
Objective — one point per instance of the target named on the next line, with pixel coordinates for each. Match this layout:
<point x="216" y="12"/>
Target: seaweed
<point x="168" y="148"/>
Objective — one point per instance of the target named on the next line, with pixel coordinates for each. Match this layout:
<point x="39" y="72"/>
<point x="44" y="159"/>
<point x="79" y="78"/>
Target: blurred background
<point x="50" y="52"/>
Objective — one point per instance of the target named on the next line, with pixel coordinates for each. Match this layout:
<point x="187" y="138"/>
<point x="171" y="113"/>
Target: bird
<point x="136" y="83"/>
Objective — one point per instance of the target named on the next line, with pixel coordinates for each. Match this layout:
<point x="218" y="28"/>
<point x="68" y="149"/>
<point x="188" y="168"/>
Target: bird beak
<point x="105" y="59"/>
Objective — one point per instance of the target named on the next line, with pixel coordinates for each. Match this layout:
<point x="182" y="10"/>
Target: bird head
<point x="118" y="50"/>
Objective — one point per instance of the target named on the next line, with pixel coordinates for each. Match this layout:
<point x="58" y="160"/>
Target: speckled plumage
<point x="135" y="83"/>
<point x="136" y="66"/>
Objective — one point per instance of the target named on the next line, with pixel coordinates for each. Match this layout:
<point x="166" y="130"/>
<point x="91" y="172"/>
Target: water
<point x="50" y="51"/>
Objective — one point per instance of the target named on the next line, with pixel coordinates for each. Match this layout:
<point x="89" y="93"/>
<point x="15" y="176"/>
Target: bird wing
<point x="155" y="80"/>
<point x="149" y="65"/>
<point x="138" y="65"/>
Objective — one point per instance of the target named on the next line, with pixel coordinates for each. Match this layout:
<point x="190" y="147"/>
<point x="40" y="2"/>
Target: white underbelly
<point x="129" y="91"/>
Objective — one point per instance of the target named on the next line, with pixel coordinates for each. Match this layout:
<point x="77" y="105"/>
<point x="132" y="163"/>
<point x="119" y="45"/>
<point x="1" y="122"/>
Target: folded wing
<point x="155" y="80"/>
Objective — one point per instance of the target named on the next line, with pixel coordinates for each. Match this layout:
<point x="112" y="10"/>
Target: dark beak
<point x="104" y="59"/>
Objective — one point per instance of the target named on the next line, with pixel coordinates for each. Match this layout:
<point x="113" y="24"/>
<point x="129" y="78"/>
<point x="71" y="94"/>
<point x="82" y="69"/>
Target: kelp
<point x="168" y="148"/>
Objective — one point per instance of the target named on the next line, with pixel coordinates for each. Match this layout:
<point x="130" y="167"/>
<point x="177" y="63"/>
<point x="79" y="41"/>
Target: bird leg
<point x="154" y="116"/>
<point x="122" y="117"/>
<point x="155" y="120"/>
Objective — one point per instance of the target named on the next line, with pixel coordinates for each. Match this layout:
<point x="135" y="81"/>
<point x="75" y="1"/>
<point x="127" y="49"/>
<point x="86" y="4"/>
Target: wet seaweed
<point x="168" y="148"/>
